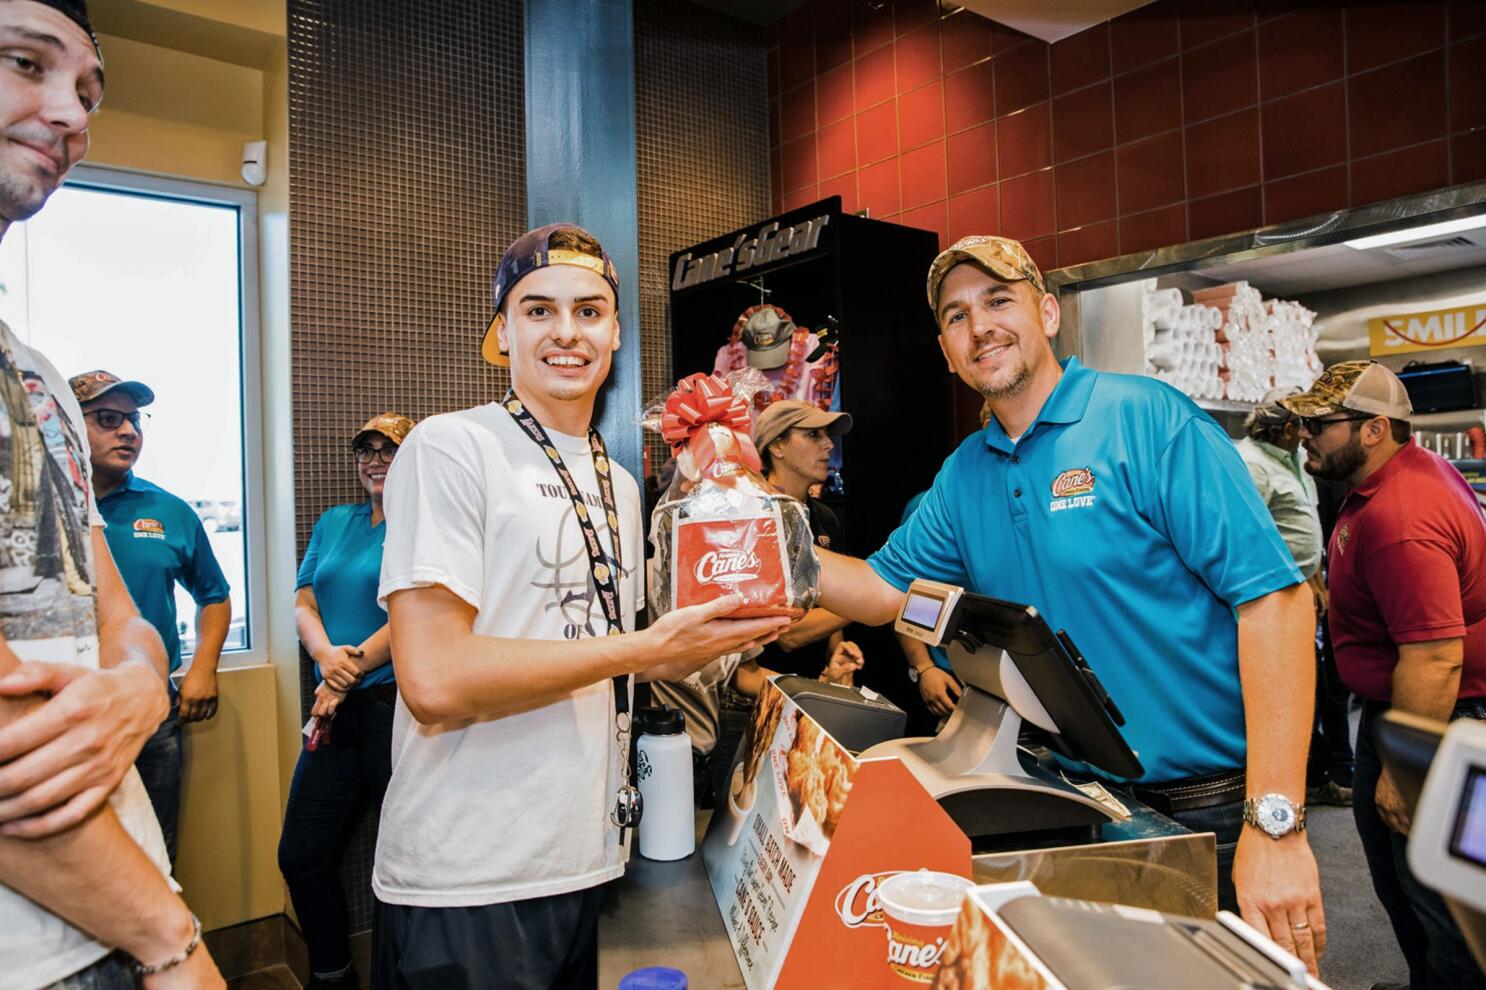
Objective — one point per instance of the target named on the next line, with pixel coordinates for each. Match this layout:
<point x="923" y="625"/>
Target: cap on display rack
<point x="1001" y="256"/>
<point x="770" y="424"/>
<point x="1361" y="386"/>
<point x="554" y="244"/>
<point x="393" y="426"/>
<point x="92" y="385"/>
<point x="768" y="335"/>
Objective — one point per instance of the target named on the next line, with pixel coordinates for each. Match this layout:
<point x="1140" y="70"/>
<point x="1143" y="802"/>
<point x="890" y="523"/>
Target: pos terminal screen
<point x="921" y="610"/>
<point x="1468" y="839"/>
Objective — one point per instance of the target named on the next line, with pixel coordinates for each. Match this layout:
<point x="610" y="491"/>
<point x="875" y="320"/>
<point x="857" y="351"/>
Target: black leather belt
<point x="1192" y="793"/>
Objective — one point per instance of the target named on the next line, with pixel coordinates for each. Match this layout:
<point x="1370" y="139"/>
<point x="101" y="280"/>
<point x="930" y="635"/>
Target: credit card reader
<point x="1014" y="667"/>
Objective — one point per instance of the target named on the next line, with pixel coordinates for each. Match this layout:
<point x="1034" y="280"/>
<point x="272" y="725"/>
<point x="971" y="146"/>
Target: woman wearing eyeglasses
<point x="344" y="631"/>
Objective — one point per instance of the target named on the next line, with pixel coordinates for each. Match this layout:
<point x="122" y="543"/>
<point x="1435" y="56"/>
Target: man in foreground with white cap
<point x="1407" y="576"/>
<point x="1122" y="512"/>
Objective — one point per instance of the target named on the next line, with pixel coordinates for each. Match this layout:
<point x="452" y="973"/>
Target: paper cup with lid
<point x="919" y="908"/>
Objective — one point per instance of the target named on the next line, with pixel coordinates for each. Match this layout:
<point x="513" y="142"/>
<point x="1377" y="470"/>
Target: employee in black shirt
<point x="794" y="441"/>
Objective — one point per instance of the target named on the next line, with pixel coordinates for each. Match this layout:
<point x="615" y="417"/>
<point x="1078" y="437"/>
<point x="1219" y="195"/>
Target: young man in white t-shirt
<point x="497" y="829"/>
<point x="82" y="863"/>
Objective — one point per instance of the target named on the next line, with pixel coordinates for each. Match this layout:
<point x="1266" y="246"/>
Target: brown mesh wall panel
<point x="407" y="178"/>
<point x="701" y="134"/>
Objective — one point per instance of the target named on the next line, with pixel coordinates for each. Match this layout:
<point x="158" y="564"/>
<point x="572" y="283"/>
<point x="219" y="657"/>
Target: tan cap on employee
<point x="1001" y="256"/>
<point x="393" y="426"/>
<point x="770" y="424"/>
<point x="1362" y="386"/>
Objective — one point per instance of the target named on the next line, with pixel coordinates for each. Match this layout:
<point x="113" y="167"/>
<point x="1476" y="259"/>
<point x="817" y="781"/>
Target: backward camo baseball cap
<point x="1361" y="386"/>
<point x="1001" y="256"/>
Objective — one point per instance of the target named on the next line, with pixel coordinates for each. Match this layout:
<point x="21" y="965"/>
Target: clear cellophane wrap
<point x="720" y="528"/>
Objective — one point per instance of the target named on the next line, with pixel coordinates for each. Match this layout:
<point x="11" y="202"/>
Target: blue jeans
<point x="159" y="764"/>
<point x="1437" y="955"/>
<point x="108" y="973"/>
<point x="1226" y="822"/>
<point x="331" y="784"/>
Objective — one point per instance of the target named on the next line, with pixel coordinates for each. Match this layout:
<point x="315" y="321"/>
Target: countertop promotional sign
<point x="796" y="851"/>
<point x="1431" y="330"/>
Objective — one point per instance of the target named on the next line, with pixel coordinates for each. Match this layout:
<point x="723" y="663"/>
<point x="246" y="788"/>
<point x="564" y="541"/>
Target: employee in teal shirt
<point x="344" y="631"/>
<point x="1122" y="512"/>
<point x="158" y="541"/>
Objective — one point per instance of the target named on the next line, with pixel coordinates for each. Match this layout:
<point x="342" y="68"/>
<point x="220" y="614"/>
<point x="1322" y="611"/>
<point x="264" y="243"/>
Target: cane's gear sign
<point x="1076" y="481"/>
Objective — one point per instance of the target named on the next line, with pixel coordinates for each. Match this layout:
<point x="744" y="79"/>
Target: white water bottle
<point x="663" y="766"/>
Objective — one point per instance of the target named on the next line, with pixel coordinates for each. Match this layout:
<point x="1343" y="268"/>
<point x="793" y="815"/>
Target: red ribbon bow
<point x="697" y="401"/>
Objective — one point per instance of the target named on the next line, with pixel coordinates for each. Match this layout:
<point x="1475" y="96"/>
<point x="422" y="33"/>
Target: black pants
<point x="1436" y="952"/>
<point x="545" y="943"/>
<point x="1331" y="745"/>
<point x="331" y="785"/>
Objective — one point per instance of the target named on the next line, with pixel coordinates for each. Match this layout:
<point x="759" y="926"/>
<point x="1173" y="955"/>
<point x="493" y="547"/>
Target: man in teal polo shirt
<point x="1123" y="513"/>
<point x="157" y="541"/>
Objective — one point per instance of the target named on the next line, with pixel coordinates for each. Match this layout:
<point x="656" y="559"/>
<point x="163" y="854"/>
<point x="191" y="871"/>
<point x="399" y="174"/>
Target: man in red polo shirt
<point x="1408" y="620"/>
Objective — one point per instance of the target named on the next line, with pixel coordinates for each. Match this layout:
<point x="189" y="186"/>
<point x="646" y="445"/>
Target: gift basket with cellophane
<point x="719" y="527"/>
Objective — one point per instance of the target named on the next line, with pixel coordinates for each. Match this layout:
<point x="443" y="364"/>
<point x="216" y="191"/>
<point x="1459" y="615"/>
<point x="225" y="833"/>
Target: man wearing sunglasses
<point x="158" y="542"/>
<point x="1407" y="577"/>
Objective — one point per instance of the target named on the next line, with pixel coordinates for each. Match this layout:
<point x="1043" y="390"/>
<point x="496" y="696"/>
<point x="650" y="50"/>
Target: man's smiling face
<point x="50" y="83"/>
<point x="994" y="334"/>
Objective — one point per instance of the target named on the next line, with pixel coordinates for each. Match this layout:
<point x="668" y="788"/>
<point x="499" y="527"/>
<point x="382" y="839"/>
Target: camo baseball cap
<point x="393" y="426"/>
<point x="92" y="385"/>
<point x="1001" y="256"/>
<point x="1361" y="386"/>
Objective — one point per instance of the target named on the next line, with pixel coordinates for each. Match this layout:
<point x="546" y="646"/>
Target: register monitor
<point x="1441" y="772"/>
<point x="1014" y="667"/>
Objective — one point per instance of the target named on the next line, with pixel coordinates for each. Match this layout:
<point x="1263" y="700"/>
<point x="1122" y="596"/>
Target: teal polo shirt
<point x="343" y="564"/>
<point x="1125" y="515"/>
<point x="157" y="541"/>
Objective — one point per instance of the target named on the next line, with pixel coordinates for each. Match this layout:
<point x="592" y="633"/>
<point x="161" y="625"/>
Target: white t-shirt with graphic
<point x="49" y="612"/>
<point x="505" y="808"/>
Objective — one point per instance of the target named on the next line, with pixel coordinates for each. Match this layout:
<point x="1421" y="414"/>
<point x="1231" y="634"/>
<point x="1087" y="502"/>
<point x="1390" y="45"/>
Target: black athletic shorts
<point x="545" y="943"/>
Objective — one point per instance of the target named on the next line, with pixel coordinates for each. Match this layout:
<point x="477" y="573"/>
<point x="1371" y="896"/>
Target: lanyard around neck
<point x="605" y="578"/>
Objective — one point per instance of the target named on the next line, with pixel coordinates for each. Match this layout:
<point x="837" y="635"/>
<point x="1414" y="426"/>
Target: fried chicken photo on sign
<point x="766" y="712"/>
<point x="978" y="956"/>
<point x="819" y="776"/>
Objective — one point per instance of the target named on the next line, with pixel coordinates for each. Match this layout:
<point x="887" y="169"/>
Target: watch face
<point x="1276" y="815"/>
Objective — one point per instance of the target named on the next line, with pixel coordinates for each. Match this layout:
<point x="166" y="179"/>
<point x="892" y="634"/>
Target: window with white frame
<point x="155" y="280"/>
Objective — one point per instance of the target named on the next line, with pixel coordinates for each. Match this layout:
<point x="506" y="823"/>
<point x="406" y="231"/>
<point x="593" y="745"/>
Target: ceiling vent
<point x="1433" y="249"/>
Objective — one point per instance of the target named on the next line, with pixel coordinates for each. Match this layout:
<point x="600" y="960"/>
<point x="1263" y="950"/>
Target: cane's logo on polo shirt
<point x="1343" y="534"/>
<point x="149" y="529"/>
<point x="1072" y="490"/>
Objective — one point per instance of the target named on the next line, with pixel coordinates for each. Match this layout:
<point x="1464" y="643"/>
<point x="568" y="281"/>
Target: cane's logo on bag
<point x="857" y="905"/>
<point x="1075" y="481"/>
<point x="727" y="566"/>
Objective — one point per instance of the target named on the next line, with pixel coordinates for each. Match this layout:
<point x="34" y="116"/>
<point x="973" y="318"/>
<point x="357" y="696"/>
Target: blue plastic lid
<point x="654" y="978"/>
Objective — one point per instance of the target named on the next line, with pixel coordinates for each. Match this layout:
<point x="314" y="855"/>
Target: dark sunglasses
<point x="112" y="419"/>
<point x="365" y="454"/>
<point x="1315" y="426"/>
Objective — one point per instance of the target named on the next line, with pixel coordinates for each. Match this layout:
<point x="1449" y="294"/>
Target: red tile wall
<point x="1181" y="120"/>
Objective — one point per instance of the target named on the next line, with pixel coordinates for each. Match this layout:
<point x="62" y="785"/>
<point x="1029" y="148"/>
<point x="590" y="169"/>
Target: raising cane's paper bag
<point x="719" y="528"/>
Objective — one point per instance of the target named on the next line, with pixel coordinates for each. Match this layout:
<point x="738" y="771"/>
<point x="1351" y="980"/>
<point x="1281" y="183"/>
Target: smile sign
<point x="1432" y="330"/>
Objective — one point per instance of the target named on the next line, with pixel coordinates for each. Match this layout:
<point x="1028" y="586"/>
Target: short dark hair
<point x="1401" y="429"/>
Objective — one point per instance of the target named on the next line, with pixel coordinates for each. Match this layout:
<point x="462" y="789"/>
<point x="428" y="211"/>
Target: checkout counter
<point x="1029" y="817"/>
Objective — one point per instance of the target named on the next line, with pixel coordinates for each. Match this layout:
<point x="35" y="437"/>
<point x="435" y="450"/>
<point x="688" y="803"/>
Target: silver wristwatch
<point x="1275" y="814"/>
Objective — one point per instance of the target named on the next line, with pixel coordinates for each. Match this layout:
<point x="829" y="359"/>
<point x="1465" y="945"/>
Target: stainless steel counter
<point x="663" y="914"/>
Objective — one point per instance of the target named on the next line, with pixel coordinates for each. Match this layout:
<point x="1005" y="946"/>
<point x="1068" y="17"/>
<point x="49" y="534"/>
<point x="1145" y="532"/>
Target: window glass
<point x="148" y="287"/>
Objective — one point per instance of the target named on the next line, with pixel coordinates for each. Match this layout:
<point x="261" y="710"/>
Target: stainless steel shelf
<point x="1225" y="405"/>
